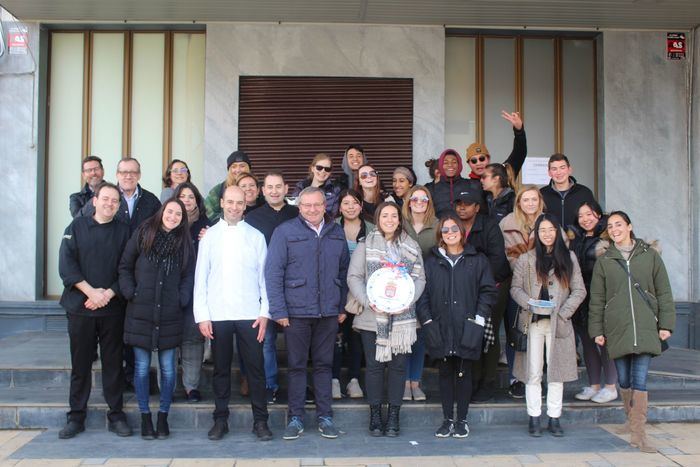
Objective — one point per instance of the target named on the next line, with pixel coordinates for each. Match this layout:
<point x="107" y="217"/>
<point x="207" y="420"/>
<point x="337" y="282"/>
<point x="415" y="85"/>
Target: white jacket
<point x="229" y="282"/>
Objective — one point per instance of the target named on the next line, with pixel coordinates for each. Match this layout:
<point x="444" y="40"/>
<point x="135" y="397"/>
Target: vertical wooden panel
<point x="539" y="96"/>
<point x="460" y="92"/>
<point x="106" y="103"/>
<point x="65" y="146"/>
<point x="147" y="107"/>
<point x="578" y="108"/>
<point x="187" y="133"/>
<point x="499" y="94"/>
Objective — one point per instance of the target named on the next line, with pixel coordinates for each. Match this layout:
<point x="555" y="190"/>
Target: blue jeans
<point x="414" y="368"/>
<point x="632" y="371"/>
<point x="270" y="356"/>
<point x="142" y="365"/>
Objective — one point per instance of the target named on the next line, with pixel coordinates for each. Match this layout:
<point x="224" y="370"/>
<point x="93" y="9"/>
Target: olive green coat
<point x="561" y="366"/>
<point x="619" y="312"/>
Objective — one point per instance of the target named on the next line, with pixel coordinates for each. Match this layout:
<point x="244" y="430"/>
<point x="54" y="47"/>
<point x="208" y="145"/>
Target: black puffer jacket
<point x="586" y="251"/>
<point x="565" y="206"/>
<point x="502" y="206"/>
<point x="157" y="302"/>
<point x="453" y="293"/>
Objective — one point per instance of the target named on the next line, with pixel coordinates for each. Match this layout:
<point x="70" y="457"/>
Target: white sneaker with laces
<point x="586" y="394"/>
<point x="335" y="389"/>
<point x="605" y="395"/>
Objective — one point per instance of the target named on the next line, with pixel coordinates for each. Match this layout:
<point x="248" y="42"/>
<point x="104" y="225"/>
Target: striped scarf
<point x="395" y="333"/>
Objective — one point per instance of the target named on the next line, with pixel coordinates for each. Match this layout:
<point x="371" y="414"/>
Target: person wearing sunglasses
<point x="369" y="185"/>
<point x="478" y="156"/>
<point x="177" y="172"/>
<point x="420" y="224"/>
<point x="452" y="311"/>
<point x="320" y="177"/>
<point x="485" y="236"/>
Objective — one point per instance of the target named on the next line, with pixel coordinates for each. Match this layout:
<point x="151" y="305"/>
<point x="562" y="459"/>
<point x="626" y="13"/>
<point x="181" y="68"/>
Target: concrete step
<point x="46" y="408"/>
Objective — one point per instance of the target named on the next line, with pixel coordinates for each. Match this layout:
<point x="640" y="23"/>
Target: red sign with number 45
<point x="675" y="45"/>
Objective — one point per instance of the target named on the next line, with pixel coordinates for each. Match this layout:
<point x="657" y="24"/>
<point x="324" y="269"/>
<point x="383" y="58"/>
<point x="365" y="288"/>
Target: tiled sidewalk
<point x="678" y="443"/>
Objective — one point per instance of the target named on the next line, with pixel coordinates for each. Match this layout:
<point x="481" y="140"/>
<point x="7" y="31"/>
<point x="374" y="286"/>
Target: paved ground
<point x="591" y="446"/>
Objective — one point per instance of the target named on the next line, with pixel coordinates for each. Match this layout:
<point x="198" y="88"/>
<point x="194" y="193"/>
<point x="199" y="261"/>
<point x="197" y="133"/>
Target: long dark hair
<point x="378" y="213"/>
<point x="197" y="195"/>
<point x="504" y="172"/>
<point x="561" y="257"/>
<point x="625" y="218"/>
<point x="151" y="226"/>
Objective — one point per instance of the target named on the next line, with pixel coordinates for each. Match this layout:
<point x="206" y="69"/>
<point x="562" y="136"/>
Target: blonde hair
<point x="318" y="158"/>
<point x="406" y="208"/>
<point x="520" y="216"/>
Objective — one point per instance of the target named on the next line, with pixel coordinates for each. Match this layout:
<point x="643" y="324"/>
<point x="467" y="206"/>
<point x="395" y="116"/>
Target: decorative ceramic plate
<point x="390" y="290"/>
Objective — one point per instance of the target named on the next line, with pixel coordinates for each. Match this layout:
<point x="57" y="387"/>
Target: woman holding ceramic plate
<point x="386" y="276"/>
<point x="548" y="287"/>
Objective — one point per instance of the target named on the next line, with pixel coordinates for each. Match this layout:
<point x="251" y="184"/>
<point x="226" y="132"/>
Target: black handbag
<point x="517" y="339"/>
<point x="664" y="344"/>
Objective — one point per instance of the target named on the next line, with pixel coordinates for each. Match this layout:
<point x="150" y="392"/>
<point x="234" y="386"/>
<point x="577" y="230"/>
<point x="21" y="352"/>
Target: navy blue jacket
<point x="305" y="273"/>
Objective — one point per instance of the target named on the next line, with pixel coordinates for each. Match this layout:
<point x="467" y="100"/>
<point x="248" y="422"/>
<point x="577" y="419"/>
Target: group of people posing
<point x="145" y="277"/>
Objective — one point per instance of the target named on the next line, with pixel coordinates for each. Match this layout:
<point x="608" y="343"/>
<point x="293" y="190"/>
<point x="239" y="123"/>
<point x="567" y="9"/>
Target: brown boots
<point x="637" y="421"/>
<point x="627" y="403"/>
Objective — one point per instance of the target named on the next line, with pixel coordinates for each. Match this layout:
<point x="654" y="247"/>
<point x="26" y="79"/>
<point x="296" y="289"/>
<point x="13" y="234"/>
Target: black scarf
<point x="164" y="250"/>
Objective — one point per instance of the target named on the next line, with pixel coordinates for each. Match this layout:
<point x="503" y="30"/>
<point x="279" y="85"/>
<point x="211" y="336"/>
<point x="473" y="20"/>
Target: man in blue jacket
<point x="305" y="275"/>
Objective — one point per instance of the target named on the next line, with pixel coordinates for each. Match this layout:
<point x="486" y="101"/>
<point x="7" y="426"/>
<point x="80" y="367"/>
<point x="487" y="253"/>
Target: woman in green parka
<point x="631" y="311"/>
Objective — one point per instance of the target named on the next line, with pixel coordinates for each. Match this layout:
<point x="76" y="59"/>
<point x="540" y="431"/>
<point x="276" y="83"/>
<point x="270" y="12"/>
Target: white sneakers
<point x="586" y="393"/>
<point x="601" y="397"/>
<point x="335" y="389"/>
<point x="354" y="389"/>
<point x="605" y="395"/>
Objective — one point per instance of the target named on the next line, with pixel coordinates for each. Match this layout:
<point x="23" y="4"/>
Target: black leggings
<point x="455" y="383"/>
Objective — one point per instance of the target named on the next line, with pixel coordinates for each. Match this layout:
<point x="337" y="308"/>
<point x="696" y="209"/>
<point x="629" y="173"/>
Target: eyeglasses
<point x="547" y="230"/>
<point x="476" y="159"/>
<point x="181" y="170"/>
<point x="127" y="173"/>
<point x="454" y="228"/>
<point x="311" y="205"/>
<point x="417" y="199"/>
<point x="371" y="174"/>
<point x="92" y="170"/>
<point x="324" y="168"/>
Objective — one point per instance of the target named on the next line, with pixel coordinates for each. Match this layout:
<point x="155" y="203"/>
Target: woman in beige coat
<point x="518" y="238"/>
<point x="550" y="272"/>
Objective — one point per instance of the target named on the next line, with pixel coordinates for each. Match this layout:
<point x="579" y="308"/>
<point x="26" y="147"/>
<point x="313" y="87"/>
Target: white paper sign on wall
<point x="535" y="171"/>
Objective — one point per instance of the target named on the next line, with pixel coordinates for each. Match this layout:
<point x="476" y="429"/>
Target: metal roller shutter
<point x="285" y="121"/>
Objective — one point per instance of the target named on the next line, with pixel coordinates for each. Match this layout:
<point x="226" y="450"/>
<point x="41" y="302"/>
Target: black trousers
<point x="318" y="336"/>
<point x="252" y="355"/>
<point x="374" y="373"/>
<point x="348" y="342"/>
<point x="455" y="383"/>
<point x="84" y="333"/>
